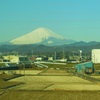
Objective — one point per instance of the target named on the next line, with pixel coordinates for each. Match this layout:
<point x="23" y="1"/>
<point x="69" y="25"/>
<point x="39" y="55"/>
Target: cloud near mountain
<point x="41" y="36"/>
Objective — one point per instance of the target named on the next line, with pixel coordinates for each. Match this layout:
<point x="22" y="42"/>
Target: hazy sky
<point x="73" y="19"/>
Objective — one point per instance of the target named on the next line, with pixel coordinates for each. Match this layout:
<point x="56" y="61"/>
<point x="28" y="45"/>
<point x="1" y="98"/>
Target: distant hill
<point x="24" y="49"/>
<point x="82" y="43"/>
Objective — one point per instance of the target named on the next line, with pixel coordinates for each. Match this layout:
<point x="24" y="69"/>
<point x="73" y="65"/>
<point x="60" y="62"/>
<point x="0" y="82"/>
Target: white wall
<point x="95" y="55"/>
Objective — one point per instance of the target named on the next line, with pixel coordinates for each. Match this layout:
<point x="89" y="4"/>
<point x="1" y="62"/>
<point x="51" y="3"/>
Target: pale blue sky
<point x="73" y="19"/>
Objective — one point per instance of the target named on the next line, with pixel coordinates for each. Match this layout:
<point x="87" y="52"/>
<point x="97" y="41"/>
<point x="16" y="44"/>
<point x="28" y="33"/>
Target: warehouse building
<point x="87" y="67"/>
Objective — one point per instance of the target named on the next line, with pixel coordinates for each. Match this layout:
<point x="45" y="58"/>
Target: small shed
<point x="87" y="67"/>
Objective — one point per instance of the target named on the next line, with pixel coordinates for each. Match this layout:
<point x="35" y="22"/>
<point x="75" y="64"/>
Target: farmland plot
<point x="27" y="72"/>
<point x="50" y="95"/>
<point x="54" y="83"/>
<point x="54" y="80"/>
<point x="54" y="72"/>
<point x="74" y="87"/>
<point x="97" y="77"/>
<point x="51" y="79"/>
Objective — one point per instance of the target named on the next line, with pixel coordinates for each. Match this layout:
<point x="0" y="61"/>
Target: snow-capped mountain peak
<point x="39" y="36"/>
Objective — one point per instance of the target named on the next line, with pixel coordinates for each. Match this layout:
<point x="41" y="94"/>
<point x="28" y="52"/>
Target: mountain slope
<point x="41" y="36"/>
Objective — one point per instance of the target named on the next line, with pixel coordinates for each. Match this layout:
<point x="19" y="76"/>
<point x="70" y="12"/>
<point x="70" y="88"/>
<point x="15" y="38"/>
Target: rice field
<point x="50" y="84"/>
<point x="50" y="95"/>
<point x="22" y="72"/>
<point x="97" y="77"/>
<point x="62" y="81"/>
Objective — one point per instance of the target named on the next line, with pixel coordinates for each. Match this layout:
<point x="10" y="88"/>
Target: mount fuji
<point x="41" y="36"/>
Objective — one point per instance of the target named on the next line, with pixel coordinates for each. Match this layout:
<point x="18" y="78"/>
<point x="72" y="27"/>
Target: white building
<point x="50" y="58"/>
<point x="15" y="58"/>
<point x="95" y="55"/>
<point x="39" y="59"/>
<point x="12" y="58"/>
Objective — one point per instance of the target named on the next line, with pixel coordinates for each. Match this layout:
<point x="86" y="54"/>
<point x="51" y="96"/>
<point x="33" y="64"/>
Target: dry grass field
<point x="60" y="81"/>
<point x="4" y="84"/>
<point x="49" y="84"/>
<point x="50" y="95"/>
<point x="22" y="72"/>
<point x="97" y="77"/>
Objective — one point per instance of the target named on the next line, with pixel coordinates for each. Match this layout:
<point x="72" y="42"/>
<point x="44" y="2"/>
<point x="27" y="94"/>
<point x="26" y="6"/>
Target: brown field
<point x="48" y="84"/>
<point x="50" y="95"/>
<point x="57" y="82"/>
<point x="5" y="84"/>
<point x="97" y="77"/>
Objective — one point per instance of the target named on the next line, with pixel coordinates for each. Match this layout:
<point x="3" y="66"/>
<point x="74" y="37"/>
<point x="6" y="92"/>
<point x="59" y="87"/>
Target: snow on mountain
<point x="40" y="36"/>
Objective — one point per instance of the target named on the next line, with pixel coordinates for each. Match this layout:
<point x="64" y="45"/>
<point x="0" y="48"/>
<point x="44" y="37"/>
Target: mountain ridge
<point x="82" y="43"/>
<point x="28" y="49"/>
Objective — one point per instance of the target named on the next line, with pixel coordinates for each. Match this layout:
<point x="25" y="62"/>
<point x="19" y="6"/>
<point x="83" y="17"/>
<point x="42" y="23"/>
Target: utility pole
<point x="55" y="55"/>
<point x="63" y="54"/>
<point x="80" y="55"/>
<point x="24" y="65"/>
